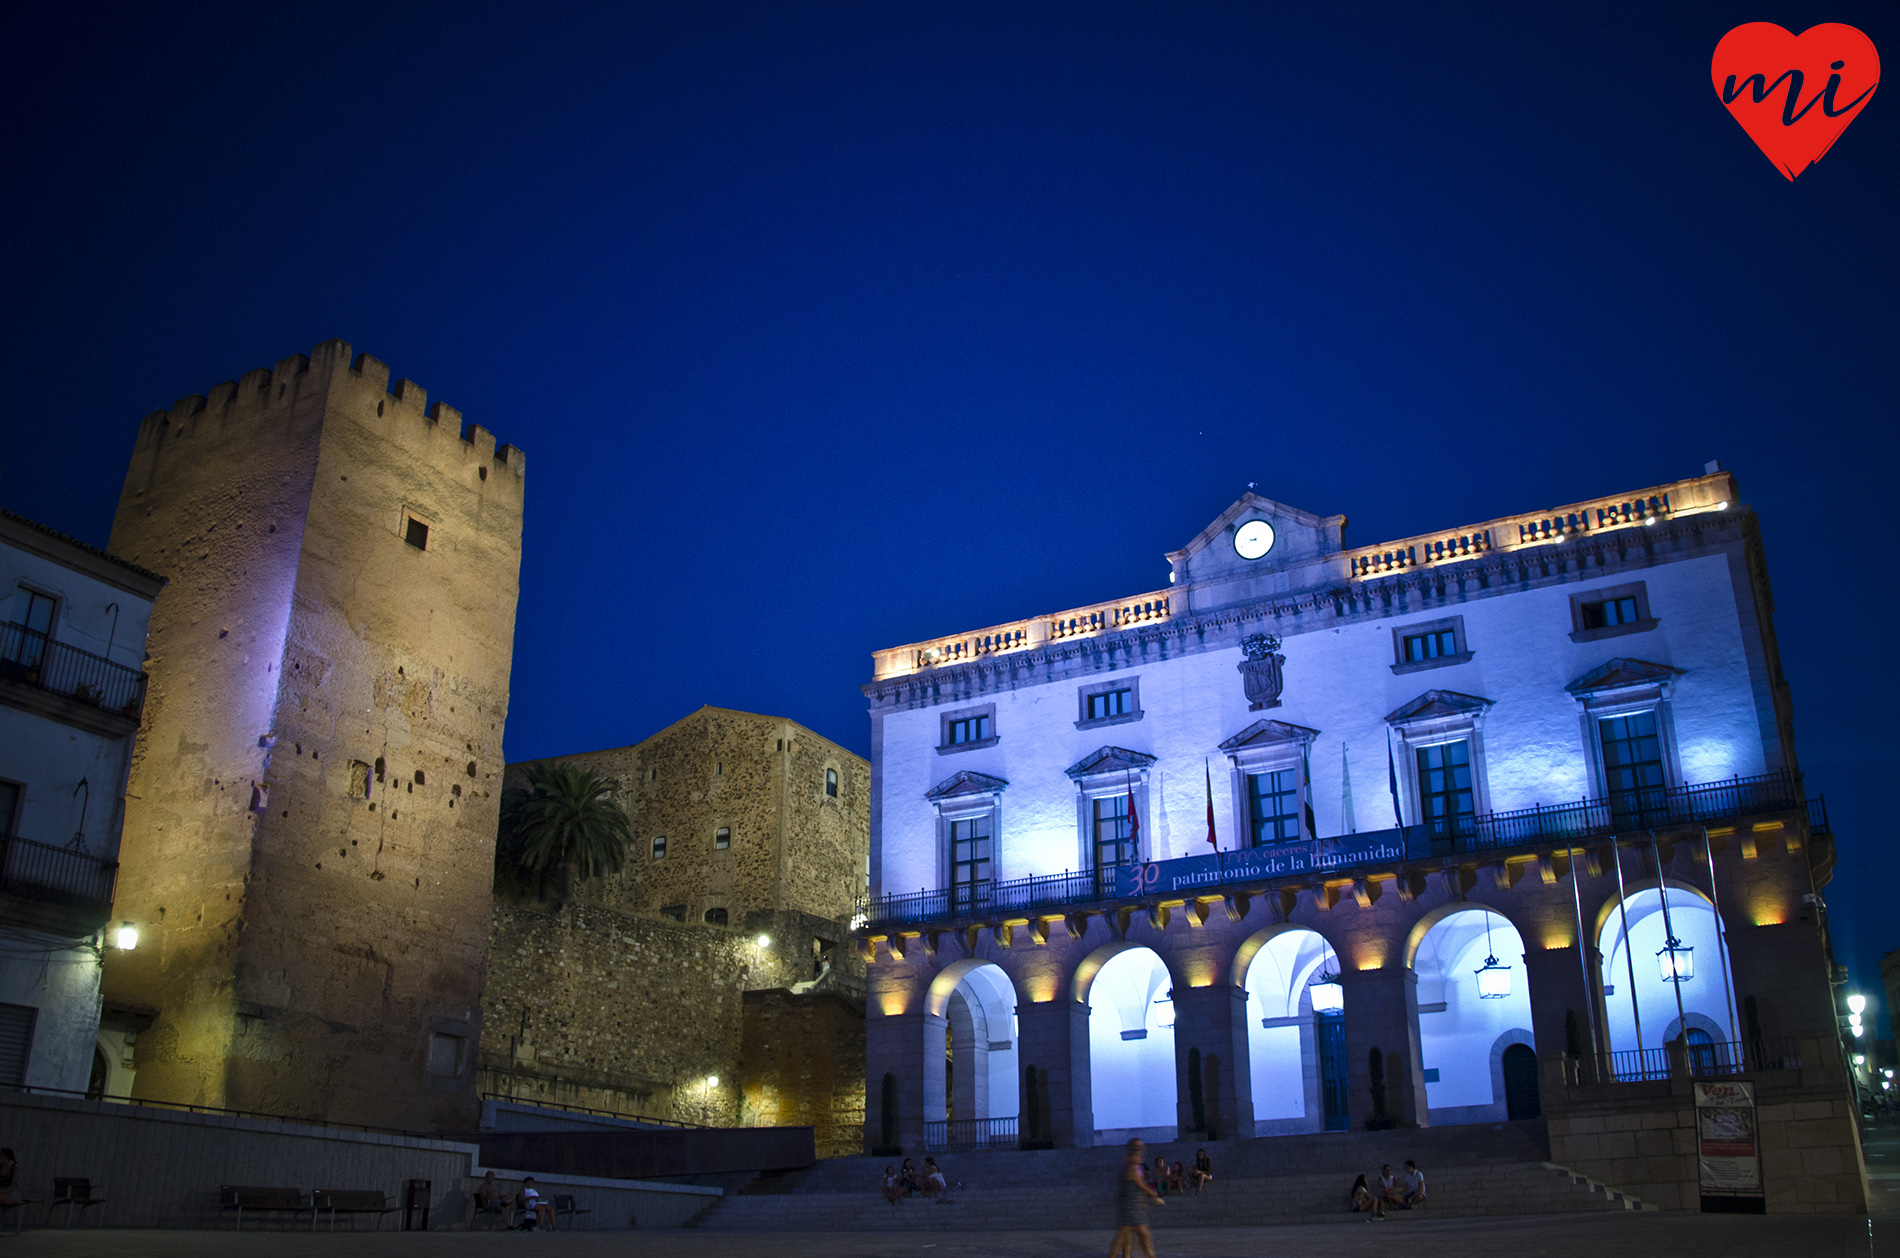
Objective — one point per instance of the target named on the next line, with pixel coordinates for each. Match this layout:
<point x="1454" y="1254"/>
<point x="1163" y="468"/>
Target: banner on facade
<point x="1727" y="1150"/>
<point x="1259" y="863"/>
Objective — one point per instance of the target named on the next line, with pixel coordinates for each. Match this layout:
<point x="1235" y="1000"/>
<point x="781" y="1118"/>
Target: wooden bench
<point x="77" y="1196"/>
<point x="337" y="1201"/>
<point x="240" y="1197"/>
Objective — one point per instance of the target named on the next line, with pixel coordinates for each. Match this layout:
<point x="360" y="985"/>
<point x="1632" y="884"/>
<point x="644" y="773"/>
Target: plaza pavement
<point x="1597" y="1235"/>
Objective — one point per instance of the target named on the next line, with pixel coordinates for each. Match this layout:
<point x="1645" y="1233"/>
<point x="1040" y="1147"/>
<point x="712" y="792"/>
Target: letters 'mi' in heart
<point x="1795" y="94"/>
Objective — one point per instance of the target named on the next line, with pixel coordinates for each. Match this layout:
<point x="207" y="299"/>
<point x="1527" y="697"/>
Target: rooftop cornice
<point x="48" y="543"/>
<point x="1491" y="572"/>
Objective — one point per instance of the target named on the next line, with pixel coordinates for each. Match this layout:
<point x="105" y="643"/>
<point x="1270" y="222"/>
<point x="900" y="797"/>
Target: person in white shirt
<point x="1389" y="1190"/>
<point x="536" y="1210"/>
<point x="1412" y="1184"/>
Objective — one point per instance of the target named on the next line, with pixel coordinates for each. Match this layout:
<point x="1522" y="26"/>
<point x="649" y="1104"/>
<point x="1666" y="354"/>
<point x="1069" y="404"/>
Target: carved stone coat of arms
<point x="1260" y="671"/>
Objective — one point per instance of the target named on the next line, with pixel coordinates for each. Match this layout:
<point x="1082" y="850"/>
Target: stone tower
<point x="311" y="812"/>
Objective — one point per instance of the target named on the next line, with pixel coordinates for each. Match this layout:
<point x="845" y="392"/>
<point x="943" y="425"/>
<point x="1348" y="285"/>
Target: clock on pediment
<point x="1253" y="539"/>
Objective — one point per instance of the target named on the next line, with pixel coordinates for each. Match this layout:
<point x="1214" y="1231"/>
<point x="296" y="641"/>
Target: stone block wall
<point x="590" y="1007"/>
<point x="312" y="807"/>
<point x="804" y="1066"/>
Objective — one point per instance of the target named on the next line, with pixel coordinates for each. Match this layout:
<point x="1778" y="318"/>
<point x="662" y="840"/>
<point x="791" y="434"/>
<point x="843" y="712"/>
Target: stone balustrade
<point x="1020" y="635"/>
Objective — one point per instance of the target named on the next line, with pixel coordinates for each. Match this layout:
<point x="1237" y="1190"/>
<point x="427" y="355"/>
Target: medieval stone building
<point x="708" y="980"/>
<point x="1498" y="821"/>
<point x="311" y="811"/>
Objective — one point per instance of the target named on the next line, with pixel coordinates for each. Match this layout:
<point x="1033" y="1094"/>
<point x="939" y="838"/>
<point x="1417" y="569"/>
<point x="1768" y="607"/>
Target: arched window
<point x="715" y="917"/>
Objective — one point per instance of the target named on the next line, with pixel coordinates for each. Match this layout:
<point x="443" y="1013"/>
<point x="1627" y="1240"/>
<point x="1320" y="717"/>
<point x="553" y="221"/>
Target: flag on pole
<point x="1392" y="781"/>
<point x="1345" y="792"/>
<point x="1211" y="840"/>
<point x="1306" y="792"/>
<point x="1134" y="822"/>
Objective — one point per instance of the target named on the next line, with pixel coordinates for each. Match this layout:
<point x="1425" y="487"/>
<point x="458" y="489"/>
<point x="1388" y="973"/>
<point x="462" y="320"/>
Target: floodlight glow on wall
<point x="127" y="937"/>
<point x="1857" y="1004"/>
<point x="1494" y="978"/>
<point x="1676" y="961"/>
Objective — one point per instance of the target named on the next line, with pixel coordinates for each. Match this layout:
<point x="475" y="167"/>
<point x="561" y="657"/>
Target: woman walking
<point x="1132" y="1195"/>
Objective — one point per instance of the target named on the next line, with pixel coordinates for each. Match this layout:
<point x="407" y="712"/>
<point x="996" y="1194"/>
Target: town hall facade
<point x="1497" y="822"/>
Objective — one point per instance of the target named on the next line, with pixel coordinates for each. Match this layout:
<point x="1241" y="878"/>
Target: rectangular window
<point x="659" y="846"/>
<point x="722" y="838"/>
<point x="16" y="1043"/>
<point x="26" y="637"/>
<point x="1633" y="769"/>
<point x="1110" y="703"/>
<point x="831" y="783"/>
<point x="1446" y="800"/>
<point x="416" y="534"/>
<point x="969" y="729"/>
<point x="1609" y="613"/>
<point x="673" y="912"/>
<point x="970" y="863"/>
<point x="9" y="806"/>
<point x="1420" y="647"/>
<point x="1274" y="805"/>
<point x="445" y="1055"/>
<point x="1114" y="844"/>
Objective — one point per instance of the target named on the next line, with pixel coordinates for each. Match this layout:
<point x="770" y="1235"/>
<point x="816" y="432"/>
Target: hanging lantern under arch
<point x="1676" y="960"/>
<point x="1328" y="996"/>
<point x="1494" y="977"/>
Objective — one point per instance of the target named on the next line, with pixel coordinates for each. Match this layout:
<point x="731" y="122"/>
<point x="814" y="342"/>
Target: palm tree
<point x="569" y="820"/>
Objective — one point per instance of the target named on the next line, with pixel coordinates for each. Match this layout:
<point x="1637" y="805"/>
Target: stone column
<point x="894" y="1044"/>
<point x="1055" y="1040"/>
<point x="1382" y="1012"/>
<point x="1214" y="1020"/>
<point x="1556" y="989"/>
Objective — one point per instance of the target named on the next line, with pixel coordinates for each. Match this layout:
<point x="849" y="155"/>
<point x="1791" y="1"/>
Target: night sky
<point x="827" y="327"/>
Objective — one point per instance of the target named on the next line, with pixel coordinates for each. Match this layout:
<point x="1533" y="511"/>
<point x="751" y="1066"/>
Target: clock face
<point x="1253" y="539"/>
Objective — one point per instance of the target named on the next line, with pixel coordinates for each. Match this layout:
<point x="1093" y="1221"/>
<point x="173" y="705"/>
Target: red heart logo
<point x="1795" y="94"/>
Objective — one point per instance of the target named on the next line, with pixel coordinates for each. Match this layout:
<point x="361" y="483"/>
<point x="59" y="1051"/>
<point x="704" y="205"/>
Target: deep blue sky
<point x="833" y="326"/>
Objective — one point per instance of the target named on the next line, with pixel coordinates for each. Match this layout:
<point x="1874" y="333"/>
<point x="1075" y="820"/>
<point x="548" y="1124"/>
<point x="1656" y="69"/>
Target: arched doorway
<point x="1285" y="1035"/>
<point x="1680" y="986"/>
<point x="1520" y="1083"/>
<point x="1131" y="1046"/>
<point x="972" y="1031"/>
<point x="1474" y="1005"/>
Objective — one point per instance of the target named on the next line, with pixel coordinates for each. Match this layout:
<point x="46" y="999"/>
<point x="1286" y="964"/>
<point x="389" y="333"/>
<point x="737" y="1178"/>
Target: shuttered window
<point x="16" y="1043"/>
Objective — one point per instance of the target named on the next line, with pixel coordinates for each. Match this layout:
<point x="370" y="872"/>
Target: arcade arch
<point x="1464" y="1034"/>
<point x="1277" y="968"/>
<point x="971" y="1028"/>
<point x="1632" y="937"/>
<point x="1130" y="995"/>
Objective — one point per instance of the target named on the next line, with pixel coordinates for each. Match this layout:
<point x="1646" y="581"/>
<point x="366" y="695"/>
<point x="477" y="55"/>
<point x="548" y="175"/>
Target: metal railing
<point x="970" y="1134"/>
<point x="588" y="1110"/>
<point x="29" y="656"/>
<point x="1624" y="813"/>
<point x="1701" y="1061"/>
<point x="40" y="871"/>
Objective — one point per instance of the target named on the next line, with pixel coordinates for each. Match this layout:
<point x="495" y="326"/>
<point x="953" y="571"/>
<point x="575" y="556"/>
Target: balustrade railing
<point x="35" y="659"/>
<point x="40" y="871"/>
<point x="969" y="1134"/>
<point x="1621" y="814"/>
<point x="1710" y="1059"/>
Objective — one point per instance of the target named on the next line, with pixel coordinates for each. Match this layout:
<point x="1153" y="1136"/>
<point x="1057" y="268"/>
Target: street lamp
<point x="127" y="937"/>
<point x="1857" y="1004"/>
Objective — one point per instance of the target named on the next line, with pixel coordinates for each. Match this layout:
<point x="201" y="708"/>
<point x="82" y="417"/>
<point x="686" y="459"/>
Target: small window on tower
<point x="715" y="917"/>
<point x="831" y="783"/>
<point x="417" y="534"/>
<point x="722" y="838"/>
<point x="659" y="846"/>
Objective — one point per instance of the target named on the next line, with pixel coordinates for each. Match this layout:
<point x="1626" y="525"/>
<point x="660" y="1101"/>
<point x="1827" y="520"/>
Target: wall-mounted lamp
<point x="764" y="941"/>
<point x="1328" y="996"/>
<point x="712" y="1081"/>
<point x="127" y="937"/>
<point x="1857" y="1004"/>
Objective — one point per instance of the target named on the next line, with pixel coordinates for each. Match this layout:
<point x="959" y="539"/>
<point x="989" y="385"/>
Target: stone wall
<point x="604" y="1010"/>
<point x="804" y="1066"/>
<point x="311" y="814"/>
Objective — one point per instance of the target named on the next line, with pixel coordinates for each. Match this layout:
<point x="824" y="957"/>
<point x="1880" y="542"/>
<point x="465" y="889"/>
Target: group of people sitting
<point x="1176" y="1179"/>
<point x="526" y="1208"/>
<point x="928" y="1182"/>
<point x="1393" y="1192"/>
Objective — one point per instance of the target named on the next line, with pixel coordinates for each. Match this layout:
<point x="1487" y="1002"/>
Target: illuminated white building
<point x="1431" y="766"/>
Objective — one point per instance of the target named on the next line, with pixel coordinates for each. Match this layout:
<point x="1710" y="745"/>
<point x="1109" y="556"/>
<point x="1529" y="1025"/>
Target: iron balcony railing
<point x="1708" y="1060"/>
<point x="35" y="659"/>
<point x="969" y="1134"/>
<point x="1627" y="812"/>
<point x="39" y="871"/>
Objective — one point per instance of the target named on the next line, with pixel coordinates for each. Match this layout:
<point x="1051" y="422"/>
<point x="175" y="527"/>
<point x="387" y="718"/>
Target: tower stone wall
<point x="312" y="807"/>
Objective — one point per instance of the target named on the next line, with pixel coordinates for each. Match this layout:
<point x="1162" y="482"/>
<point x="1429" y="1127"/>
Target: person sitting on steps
<point x="893" y="1186"/>
<point x="1389" y="1191"/>
<point x="1363" y="1201"/>
<point x="1203" y="1173"/>
<point x="933" y="1181"/>
<point x="1412" y="1186"/>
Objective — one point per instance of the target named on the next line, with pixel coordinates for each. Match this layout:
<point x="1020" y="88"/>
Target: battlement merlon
<point x="360" y="383"/>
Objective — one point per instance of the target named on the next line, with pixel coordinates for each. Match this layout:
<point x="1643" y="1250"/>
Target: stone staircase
<point x="1493" y="1170"/>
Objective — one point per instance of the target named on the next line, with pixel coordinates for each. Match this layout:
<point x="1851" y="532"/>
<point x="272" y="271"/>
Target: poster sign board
<point x="1728" y="1152"/>
<point x="1313" y="856"/>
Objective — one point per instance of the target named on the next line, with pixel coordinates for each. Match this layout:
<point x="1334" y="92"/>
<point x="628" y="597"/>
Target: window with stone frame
<point x="1446" y="793"/>
<point x="970" y="850"/>
<point x="716" y="916"/>
<point x="831" y="783"/>
<point x="1273" y="799"/>
<point x="967" y="729"/>
<point x="722" y="838"/>
<point x="1115" y="702"/>
<point x="659" y="847"/>
<point x="1611" y="612"/>
<point x="1429" y="644"/>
